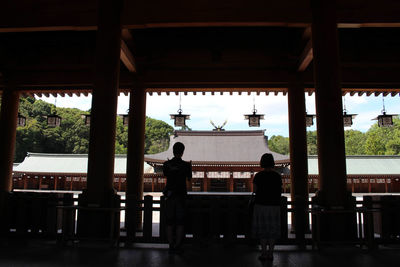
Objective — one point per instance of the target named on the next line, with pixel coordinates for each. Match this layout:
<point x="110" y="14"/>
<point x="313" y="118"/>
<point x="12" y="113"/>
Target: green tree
<point x="383" y="140"/>
<point x="279" y="144"/>
<point x="157" y="136"/>
<point x="354" y="142"/>
<point x="312" y="148"/>
<point x="73" y="135"/>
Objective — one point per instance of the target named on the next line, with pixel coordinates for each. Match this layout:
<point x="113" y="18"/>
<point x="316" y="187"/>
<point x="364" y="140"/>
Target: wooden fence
<point x="156" y="183"/>
<point x="210" y="218"/>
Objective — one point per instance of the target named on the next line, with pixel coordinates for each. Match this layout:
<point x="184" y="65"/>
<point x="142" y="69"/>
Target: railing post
<point x="148" y="218"/>
<point x="368" y="222"/>
<point x="205" y="182"/>
<point x="284" y="218"/>
<point x="163" y="235"/>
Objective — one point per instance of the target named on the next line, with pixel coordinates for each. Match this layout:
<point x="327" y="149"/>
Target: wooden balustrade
<point x="156" y="183"/>
<point x="210" y="218"/>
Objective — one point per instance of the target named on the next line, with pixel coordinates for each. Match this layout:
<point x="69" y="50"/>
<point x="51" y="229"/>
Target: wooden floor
<point x="45" y="253"/>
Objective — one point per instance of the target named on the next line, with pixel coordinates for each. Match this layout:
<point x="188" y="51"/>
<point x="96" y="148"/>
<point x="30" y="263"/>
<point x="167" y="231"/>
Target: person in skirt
<point x="266" y="221"/>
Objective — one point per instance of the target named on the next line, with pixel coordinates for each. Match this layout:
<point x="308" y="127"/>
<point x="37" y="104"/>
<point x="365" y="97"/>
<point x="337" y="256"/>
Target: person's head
<point x="178" y="149"/>
<point x="267" y="161"/>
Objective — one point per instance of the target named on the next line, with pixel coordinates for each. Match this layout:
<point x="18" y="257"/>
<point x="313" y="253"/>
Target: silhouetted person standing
<point x="266" y="224"/>
<point x="177" y="172"/>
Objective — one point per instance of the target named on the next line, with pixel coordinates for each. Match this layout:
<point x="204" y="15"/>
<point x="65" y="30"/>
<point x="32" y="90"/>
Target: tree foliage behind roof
<point x="376" y="141"/>
<point x="73" y="135"/>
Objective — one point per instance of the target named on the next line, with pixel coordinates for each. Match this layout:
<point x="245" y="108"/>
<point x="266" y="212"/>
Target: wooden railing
<point x="156" y="183"/>
<point x="210" y="218"/>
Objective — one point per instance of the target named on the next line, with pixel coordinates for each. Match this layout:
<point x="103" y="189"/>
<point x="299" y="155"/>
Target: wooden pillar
<point x="104" y="104"/>
<point x="24" y="179"/>
<point x="328" y="94"/>
<point x="298" y="158"/>
<point x="100" y="192"/>
<point x="251" y="181"/>
<point x="8" y="126"/>
<point x="332" y="194"/>
<point x="231" y="182"/>
<point x="40" y="182"/>
<point x="135" y="158"/>
<point x="205" y="182"/>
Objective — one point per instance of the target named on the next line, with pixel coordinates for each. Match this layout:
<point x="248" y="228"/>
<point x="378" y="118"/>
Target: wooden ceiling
<point x="47" y="47"/>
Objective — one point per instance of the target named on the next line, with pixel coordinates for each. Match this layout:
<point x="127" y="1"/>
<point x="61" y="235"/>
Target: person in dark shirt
<point x="267" y="185"/>
<point x="177" y="172"/>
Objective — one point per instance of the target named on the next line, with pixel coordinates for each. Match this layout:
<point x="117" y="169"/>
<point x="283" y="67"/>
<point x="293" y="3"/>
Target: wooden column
<point x="332" y="194"/>
<point x="328" y="94"/>
<point x="231" y="182"/>
<point x="135" y="158"/>
<point x="104" y="104"/>
<point x="205" y="182"/>
<point x="8" y="126"/>
<point x="100" y="192"/>
<point x="298" y="158"/>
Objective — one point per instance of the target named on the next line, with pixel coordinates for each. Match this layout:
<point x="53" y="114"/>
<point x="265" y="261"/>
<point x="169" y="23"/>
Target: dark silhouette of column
<point x="135" y="158"/>
<point x="8" y="126"/>
<point x="104" y="102"/>
<point x="328" y="96"/>
<point x="100" y="191"/>
<point x="332" y="194"/>
<point x="8" y="123"/>
<point x="298" y="158"/>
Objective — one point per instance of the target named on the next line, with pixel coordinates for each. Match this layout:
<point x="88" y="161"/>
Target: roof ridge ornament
<point x="219" y="128"/>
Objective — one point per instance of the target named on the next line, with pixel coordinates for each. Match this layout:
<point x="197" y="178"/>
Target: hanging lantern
<point x="385" y="120"/>
<point x="254" y="119"/>
<point x="21" y="120"/>
<point x="309" y="119"/>
<point x="348" y="119"/>
<point x="125" y="119"/>
<point x="53" y="120"/>
<point x="86" y="118"/>
<point x="180" y="119"/>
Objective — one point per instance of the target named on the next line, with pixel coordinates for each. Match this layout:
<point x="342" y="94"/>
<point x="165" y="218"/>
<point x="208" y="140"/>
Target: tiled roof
<point x="67" y="163"/>
<point x="385" y="165"/>
<point x="220" y="146"/>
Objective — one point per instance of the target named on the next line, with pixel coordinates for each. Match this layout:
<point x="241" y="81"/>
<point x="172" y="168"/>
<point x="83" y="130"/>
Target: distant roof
<point x="67" y="163"/>
<point x="220" y="146"/>
<point x="368" y="165"/>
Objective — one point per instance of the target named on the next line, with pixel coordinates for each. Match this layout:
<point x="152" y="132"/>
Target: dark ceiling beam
<point x="62" y="15"/>
<point x="81" y="81"/>
<point x="127" y="57"/>
<point x="306" y="57"/>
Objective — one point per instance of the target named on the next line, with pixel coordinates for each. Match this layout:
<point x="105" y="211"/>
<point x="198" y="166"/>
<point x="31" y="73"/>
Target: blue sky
<point x="232" y="108"/>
